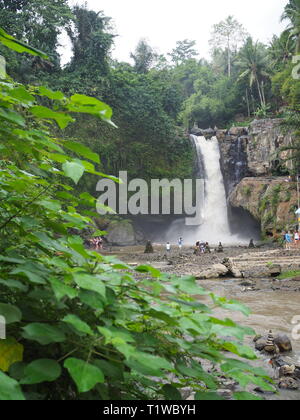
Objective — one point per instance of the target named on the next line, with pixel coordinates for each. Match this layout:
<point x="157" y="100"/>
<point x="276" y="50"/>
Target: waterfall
<point x="215" y="224"/>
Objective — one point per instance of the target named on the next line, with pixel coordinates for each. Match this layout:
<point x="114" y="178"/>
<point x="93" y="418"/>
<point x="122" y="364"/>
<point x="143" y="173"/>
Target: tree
<point x="228" y="34"/>
<point x="292" y="13"/>
<point x="281" y="50"/>
<point x="144" y="57"/>
<point x="253" y="64"/>
<point x="38" y="22"/>
<point x="184" y="51"/>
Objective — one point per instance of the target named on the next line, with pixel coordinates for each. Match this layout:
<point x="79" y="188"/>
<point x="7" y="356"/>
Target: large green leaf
<point x="42" y="370"/>
<point x="89" y="282"/>
<point x="10" y="389"/>
<point x="19" y="46"/>
<point x="85" y="375"/>
<point x="81" y="150"/>
<point x="78" y="324"/>
<point x="43" y="333"/>
<point x="208" y="396"/>
<point x="12" y="116"/>
<point x="73" y="170"/>
<point x="10" y="352"/>
<point x="171" y="393"/>
<point x="61" y="119"/>
<point x="11" y="313"/>
<point x="87" y="104"/>
<point x="246" y="396"/>
<point x="149" y="364"/>
<point x="61" y="290"/>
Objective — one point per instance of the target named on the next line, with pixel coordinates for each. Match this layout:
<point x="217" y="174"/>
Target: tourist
<point x="288" y="240"/>
<point x="296" y="238"/>
<point x="197" y="248"/>
<point x="202" y="247"/>
<point x="168" y="247"/>
<point x="207" y="248"/>
<point x="180" y="243"/>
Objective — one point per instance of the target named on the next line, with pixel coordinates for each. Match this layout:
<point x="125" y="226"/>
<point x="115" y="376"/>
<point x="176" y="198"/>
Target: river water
<point x="271" y="310"/>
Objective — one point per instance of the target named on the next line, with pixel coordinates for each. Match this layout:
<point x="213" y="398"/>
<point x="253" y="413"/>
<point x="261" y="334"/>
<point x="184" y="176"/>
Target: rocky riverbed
<point x="273" y="302"/>
<point x="257" y="269"/>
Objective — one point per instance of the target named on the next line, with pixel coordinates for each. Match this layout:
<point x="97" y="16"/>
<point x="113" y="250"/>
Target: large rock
<point x="121" y="233"/>
<point x="217" y="270"/>
<point x="232" y="268"/>
<point x="283" y="343"/>
<point x="271" y="201"/>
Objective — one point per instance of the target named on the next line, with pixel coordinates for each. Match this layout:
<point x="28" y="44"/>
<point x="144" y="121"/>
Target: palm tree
<point x="292" y="13"/>
<point x="281" y="49"/>
<point x="253" y="64"/>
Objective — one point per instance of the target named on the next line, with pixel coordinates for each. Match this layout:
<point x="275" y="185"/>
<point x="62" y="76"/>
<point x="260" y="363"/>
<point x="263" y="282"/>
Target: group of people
<point x="291" y="239"/>
<point x="96" y="243"/>
<point x="202" y="248"/>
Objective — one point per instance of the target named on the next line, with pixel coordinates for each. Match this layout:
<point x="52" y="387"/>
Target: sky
<point x="164" y="22"/>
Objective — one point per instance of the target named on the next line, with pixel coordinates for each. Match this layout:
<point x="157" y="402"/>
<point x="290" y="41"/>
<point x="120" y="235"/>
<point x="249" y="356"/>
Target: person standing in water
<point x="168" y="247"/>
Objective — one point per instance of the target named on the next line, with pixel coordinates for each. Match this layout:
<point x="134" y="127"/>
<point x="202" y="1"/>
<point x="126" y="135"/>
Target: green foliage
<point x="90" y="324"/>
<point x="288" y="275"/>
<point x="183" y="52"/>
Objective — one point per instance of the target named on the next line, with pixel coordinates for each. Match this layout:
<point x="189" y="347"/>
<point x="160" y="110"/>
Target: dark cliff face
<point x="253" y="151"/>
<point x="234" y="158"/>
<point x="251" y="162"/>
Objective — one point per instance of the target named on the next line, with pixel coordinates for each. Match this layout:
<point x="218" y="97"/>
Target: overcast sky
<point x="163" y="22"/>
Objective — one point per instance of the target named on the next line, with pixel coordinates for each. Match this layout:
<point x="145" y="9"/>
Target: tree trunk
<point x="248" y="104"/>
<point x="229" y="58"/>
<point x="259" y="92"/>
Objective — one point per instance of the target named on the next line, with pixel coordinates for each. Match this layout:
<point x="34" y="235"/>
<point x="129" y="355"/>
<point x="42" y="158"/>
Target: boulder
<point x="283" y="343"/>
<point x="238" y="131"/>
<point x="232" y="268"/>
<point x="288" y="383"/>
<point x="217" y="270"/>
<point x="121" y="233"/>
<point x="149" y="248"/>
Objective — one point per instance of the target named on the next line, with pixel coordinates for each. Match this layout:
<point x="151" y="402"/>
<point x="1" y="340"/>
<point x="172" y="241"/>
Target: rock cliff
<point x="251" y="158"/>
<point x="271" y="201"/>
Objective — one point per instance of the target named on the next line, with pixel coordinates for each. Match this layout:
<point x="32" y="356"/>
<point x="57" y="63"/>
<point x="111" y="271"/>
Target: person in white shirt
<point x="168" y="246"/>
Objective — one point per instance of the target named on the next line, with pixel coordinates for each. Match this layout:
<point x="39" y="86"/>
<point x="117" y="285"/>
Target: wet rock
<point x="283" y="343"/>
<point x="270" y="346"/>
<point x="149" y="248"/>
<point x="247" y="283"/>
<point x="121" y="233"/>
<point x="232" y="268"/>
<point x="288" y="383"/>
<point x="238" y="131"/>
<point x="215" y="271"/>
<point x="275" y="270"/>
<point x="287" y="370"/>
<point x="256" y="272"/>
